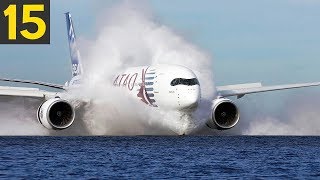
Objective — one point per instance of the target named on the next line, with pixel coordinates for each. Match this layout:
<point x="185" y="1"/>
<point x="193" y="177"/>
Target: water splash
<point x="130" y="36"/>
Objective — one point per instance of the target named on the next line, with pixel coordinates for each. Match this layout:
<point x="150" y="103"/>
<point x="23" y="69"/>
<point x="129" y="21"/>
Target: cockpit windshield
<point x="187" y="82"/>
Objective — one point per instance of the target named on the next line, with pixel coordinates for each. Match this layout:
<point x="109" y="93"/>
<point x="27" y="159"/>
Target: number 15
<point x="11" y="12"/>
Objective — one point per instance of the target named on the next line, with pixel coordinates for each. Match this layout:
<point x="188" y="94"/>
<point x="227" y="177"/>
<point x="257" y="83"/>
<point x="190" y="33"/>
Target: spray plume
<point x="18" y="117"/>
<point x="299" y="116"/>
<point x="129" y="36"/>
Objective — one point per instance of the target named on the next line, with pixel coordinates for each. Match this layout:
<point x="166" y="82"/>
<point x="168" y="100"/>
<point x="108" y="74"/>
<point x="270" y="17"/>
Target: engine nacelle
<point x="56" y="114"/>
<point x="225" y="114"/>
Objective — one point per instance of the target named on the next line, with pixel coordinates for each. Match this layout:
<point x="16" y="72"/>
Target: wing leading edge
<point x="28" y="92"/>
<point x="243" y="89"/>
<point x="56" y="86"/>
<point x="25" y="92"/>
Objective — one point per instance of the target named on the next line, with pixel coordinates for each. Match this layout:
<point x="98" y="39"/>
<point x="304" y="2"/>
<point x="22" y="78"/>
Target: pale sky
<point x="273" y="41"/>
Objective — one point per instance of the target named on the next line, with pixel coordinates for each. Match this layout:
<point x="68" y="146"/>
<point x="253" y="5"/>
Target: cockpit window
<point x="187" y="82"/>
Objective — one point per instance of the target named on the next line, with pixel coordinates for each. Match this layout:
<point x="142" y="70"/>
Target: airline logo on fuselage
<point x="126" y="80"/>
<point x="145" y="88"/>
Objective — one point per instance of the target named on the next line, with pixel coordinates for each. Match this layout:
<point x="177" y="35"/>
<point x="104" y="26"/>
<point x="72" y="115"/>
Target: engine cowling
<point x="56" y="114"/>
<point x="225" y="114"/>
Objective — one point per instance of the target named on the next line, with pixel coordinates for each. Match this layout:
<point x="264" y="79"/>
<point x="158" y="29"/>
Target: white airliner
<point x="163" y="86"/>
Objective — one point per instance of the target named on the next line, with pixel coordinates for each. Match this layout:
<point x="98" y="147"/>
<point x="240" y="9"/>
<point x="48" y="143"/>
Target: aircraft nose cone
<point x="191" y="98"/>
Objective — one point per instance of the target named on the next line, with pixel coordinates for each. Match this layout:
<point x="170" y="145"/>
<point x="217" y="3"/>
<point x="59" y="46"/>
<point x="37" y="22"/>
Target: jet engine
<point x="225" y="114"/>
<point x="56" y="114"/>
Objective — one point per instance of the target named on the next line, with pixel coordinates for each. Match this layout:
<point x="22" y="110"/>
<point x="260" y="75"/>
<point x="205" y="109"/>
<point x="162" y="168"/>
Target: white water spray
<point x="18" y="117"/>
<point x="299" y="116"/>
<point x="128" y="37"/>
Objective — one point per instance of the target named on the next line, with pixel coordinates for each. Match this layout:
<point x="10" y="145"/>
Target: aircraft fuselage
<point x="167" y="86"/>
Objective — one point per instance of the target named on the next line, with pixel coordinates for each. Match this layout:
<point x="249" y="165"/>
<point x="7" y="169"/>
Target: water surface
<point x="160" y="157"/>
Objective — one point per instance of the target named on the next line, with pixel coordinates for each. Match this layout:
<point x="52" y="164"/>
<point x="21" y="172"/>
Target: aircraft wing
<point x="240" y="90"/>
<point x="28" y="92"/>
<point x="57" y="86"/>
<point x="25" y="92"/>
